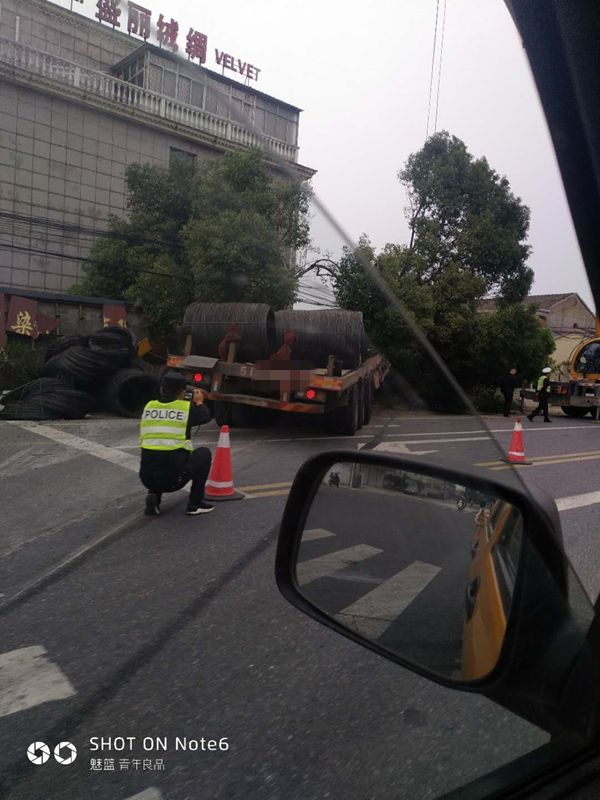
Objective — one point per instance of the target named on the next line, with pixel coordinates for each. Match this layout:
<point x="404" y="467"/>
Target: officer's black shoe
<point x="548" y="420"/>
<point x="202" y="508"/>
<point x="529" y="418"/>
<point x="152" y="503"/>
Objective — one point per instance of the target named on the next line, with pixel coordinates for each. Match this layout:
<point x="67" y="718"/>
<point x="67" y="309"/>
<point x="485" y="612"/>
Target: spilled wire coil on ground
<point x="46" y="398"/>
<point x="82" y="373"/>
<point x="129" y="390"/>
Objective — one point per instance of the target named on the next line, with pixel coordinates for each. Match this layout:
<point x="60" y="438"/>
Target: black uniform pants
<point x="542" y="406"/>
<point x="508" y="398"/>
<point x="196" y="470"/>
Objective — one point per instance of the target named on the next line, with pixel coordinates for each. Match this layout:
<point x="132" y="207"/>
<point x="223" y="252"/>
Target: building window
<point x="184" y="87"/>
<point x="134" y="72"/>
<point x="169" y="83"/>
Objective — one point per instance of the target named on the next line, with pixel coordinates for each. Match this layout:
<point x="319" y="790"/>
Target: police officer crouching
<point x="168" y="458"/>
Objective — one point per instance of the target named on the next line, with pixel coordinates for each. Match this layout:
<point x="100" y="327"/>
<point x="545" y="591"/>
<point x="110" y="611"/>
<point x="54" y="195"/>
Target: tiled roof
<point x="539" y="300"/>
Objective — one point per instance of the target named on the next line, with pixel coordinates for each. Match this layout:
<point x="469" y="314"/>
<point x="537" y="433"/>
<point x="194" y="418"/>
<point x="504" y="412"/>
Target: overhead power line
<point x="437" y="101"/>
<point x="437" y="12"/>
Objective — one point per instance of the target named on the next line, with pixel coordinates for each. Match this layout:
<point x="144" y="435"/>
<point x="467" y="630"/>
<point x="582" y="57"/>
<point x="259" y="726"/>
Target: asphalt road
<point x="171" y="630"/>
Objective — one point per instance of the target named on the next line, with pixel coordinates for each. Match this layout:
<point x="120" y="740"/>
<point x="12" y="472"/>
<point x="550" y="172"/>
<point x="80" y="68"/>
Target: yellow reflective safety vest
<point x="540" y="382"/>
<point x="164" y="426"/>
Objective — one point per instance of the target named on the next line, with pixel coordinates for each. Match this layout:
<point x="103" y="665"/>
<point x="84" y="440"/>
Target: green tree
<point x="468" y="238"/>
<point x="462" y="212"/>
<point x="225" y="231"/>
<point x="514" y="337"/>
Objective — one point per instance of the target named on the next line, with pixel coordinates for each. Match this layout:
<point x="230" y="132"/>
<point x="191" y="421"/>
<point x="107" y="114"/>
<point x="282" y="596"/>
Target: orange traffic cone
<point x="219" y="485"/>
<point x="516" y="451"/>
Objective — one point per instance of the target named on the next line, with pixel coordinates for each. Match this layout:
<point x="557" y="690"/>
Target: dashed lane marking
<point x="375" y="611"/>
<point x="28" y="678"/>
<point x="147" y="794"/>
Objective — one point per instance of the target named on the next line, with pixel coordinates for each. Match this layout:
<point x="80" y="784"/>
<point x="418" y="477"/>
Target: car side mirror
<point x="459" y="578"/>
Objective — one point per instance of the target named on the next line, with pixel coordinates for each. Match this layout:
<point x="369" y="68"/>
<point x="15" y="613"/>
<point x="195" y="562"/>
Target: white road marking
<point x="578" y="501"/>
<point x="399" y="447"/>
<point x="316" y="568"/>
<point x="147" y="794"/>
<point x="28" y="678"/>
<point x="334" y="439"/>
<point x="538" y="429"/>
<point x="316" y="533"/>
<point x="79" y="443"/>
<point x="375" y="611"/>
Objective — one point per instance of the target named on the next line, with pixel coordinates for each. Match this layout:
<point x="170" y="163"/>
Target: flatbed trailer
<point x="248" y="394"/>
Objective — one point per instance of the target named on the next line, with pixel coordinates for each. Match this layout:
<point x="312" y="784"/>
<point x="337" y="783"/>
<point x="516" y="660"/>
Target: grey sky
<point x="361" y="73"/>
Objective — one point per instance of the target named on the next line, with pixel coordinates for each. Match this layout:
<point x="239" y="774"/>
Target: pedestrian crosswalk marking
<point x="316" y="533"/>
<point x="28" y="678"/>
<point x="320" y="567"/>
<point x="375" y="611"/>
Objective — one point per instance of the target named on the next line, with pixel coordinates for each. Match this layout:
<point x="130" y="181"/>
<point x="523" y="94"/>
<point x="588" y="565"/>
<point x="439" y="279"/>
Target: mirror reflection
<point x="424" y="567"/>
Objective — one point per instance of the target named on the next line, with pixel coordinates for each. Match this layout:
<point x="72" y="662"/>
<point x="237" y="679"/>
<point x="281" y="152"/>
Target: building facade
<point x="81" y="100"/>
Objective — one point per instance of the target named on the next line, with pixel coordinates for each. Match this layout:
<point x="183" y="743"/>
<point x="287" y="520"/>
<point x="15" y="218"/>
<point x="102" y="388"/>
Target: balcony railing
<point x="102" y="85"/>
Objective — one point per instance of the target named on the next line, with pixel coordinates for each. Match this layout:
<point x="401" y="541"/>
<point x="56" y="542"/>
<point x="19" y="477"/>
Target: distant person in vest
<point x="508" y="384"/>
<point x="542" y="389"/>
<point x="168" y="459"/>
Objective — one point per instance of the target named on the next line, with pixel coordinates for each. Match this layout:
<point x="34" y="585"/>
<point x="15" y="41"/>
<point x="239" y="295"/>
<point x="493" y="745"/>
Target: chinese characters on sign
<point x="138" y="21"/>
<point x="167" y="33"/>
<point x="197" y="45"/>
<point x="25" y="319"/>
<point x="22" y="317"/>
<point x="109" y="11"/>
<point x="114" y="315"/>
<point x="167" y="30"/>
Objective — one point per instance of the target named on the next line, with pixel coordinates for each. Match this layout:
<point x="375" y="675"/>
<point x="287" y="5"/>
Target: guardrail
<point x="102" y="85"/>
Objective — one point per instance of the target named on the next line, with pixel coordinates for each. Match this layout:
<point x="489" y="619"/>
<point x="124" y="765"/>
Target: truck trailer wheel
<point x="575" y="411"/>
<point x="222" y="413"/>
<point x="348" y="421"/>
<point x="367" y="401"/>
<point x="243" y="416"/>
